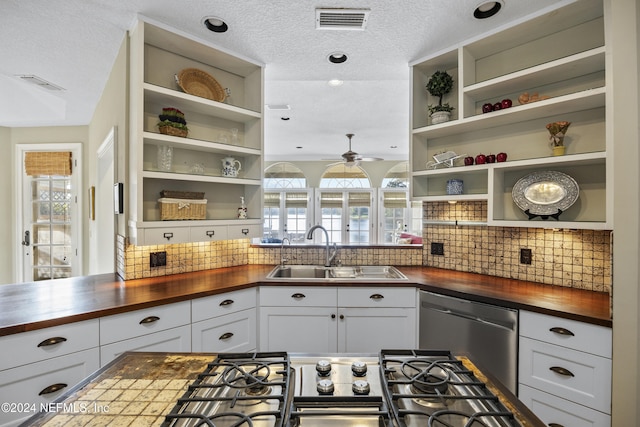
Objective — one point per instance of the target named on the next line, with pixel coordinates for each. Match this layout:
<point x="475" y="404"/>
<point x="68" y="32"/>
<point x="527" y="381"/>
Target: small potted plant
<point x="172" y="122"/>
<point x="557" y="132"/>
<point x="439" y="85"/>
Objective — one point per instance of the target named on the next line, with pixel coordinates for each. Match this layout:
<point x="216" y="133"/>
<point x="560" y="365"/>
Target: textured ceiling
<point x="73" y="43"/>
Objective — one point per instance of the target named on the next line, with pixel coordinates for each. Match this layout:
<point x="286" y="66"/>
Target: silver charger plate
<point x="545" y="192"/>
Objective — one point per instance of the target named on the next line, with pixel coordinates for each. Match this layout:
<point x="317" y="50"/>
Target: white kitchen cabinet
<point x="27" y="387"/>
<point x="41" y="344"/>
<point x="225" y="322"/>
<point x="233" y="128"/>
<point x="559" y="54"/>
<point x="330" y="319"/>
<point x="565" y="364"/>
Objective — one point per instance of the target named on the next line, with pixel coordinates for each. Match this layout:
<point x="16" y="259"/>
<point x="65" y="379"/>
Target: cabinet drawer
<point x="33" y="346"/>
<point x="580" y="377"/>
<point x="377" y="297"/>
<point x="247" y="231"/>
<point x="218" y="305"/>
<point x="176" y="340"/>
<point x="298" y="296"/>
<point x="580" y="336"/>
<point x="24" y="384"/>
<point x="166" y="235"/>
<point x="141" y="322"/>
<point x="208" y="234"/>
<point x="234" y="332"/>
<point x="550" y="410"/>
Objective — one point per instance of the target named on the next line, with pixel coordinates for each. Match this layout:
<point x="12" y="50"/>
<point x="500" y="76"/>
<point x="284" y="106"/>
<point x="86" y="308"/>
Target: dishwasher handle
<point x="467" y="316"/>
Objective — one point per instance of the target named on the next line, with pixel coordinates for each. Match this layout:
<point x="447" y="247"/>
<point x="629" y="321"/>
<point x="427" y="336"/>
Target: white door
<point x="103" y="235"/>
<point x="49" y="226"/>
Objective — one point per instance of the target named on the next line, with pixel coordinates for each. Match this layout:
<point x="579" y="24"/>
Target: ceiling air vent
<point x="341" y="19"/>
<point x="38" y="81"/>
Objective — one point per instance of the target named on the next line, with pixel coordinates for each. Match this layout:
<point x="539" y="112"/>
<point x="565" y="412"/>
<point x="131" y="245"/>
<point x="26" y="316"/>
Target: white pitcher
<point x="229" y="168"/>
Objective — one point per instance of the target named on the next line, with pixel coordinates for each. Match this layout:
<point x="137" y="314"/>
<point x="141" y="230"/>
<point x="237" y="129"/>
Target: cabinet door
<point x="43" y="382"/>
<point x="298" y="329"/>
<point x="368" y="330"/>
<point x="172" y="340"/>
<point x="234" y="332"/>
<point x="554" y="411"/>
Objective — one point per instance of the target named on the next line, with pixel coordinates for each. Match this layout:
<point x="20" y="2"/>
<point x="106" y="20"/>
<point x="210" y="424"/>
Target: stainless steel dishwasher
<point x="488" y="334"/>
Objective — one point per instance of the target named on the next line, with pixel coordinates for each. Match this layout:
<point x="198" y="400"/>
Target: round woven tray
<point x="197" y="82"/>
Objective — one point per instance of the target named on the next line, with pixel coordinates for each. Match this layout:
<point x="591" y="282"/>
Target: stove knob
<point x="323" y="367"/>
<point x="359" y="368"/>
<point x="360" y="387"/>
<point x="325" y="387"/>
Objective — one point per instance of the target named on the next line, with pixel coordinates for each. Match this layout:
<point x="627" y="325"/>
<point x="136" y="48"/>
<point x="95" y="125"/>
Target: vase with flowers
<point x="557" y="132"/>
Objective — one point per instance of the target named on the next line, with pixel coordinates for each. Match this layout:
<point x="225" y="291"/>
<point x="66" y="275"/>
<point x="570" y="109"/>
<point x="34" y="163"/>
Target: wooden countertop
<point x="36" y="305"/>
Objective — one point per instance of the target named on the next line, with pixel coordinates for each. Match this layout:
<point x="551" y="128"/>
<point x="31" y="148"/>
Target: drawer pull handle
<point x="555" y="425"/>
<point x="52" y="389"/>
<point x="245" y="231"/>
<point x="168" y="236"/>
<point x="342" y="317"/>
<point x="52" y="341"/>
<point x="333" y="316"/>
<point x="562" y="331"/>
<point x="298" y="295"/>
<point x="210" y="233"/>
<point x="226" y="336"/>
<point x="226" y="302"/>
<point x="149" y="319"/>
<point x="376" y="297"/>
<point x="562" y="371"/>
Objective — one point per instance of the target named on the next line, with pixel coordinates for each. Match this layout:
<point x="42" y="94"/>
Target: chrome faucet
<point x="329" y="257"/>
<point x="283" y="260"/>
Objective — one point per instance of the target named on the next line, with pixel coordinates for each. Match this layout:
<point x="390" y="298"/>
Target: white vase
<point x="440" y="117"/>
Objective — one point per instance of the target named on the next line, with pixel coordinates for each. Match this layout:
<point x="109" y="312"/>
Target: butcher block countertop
<point x="36" y="305"/>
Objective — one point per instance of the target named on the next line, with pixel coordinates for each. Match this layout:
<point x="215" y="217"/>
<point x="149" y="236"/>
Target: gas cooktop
<point x="397" y="388"/>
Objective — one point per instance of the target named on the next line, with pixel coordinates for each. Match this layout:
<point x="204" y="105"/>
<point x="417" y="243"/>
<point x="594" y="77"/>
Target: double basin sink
<point x="339" y="273"/>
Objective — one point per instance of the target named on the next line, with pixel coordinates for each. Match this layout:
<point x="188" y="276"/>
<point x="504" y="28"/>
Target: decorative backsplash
<point x="571" y="258"/>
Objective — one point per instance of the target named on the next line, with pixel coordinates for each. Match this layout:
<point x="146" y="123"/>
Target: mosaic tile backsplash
<point x="571" y="258"/>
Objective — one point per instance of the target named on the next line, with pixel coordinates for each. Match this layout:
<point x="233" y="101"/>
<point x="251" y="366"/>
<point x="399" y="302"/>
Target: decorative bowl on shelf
<point x="196" y="82"/>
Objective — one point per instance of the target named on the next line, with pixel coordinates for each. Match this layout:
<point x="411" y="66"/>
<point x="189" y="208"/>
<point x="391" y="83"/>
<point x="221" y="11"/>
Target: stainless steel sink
<point x="303" y="273"/>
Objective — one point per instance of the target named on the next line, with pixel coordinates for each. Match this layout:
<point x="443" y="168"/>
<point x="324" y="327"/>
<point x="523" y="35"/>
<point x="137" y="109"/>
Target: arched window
<point x="339" y="175"/>
<point x="284" y="175"/>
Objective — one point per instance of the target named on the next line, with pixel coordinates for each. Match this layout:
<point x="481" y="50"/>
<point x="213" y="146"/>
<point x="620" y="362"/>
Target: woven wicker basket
<point x="182" y="209"/>
<point x="197" y="82"/>
<point x="171" y="194"/>
<point x="170" y="130"/>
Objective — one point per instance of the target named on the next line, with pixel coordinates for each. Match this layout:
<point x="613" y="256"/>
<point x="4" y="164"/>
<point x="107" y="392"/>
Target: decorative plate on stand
<point x="545" y="193"/>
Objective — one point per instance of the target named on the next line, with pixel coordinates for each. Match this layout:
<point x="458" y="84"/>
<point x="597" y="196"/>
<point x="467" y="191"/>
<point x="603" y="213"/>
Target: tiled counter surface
<point x="29" y="306"/>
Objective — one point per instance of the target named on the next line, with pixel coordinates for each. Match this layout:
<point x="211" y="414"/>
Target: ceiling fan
<point x="352" y="158"/>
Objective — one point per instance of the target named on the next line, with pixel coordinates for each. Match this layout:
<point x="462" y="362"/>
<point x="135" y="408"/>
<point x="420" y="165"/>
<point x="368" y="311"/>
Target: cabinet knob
<point x="298" y="295"/>
<point x="562" y="331"/>
<point x="149" y="319"/>
<point x="226" y="336"/>
<point x="52" y="389"/>
<point x="333" y="316"/>
<point x="342" y="317"/>
<point x="226" y="302"/>
<point x="562" y="371"/>
<point x="376" y="297"/>
<point x="52" y="341"/>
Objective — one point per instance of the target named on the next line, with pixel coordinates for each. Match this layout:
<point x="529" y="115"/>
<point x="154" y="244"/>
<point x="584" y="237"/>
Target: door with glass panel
<point x="286" y="214"/>
<point x="50" y="220"/>
<point x="347" y="215"/>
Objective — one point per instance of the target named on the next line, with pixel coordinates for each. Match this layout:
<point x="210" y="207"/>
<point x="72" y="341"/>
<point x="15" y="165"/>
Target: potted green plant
<point x="440" y="84"/>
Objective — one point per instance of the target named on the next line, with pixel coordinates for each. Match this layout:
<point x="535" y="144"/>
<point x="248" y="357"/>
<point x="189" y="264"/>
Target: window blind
<point x="37" y="163"/>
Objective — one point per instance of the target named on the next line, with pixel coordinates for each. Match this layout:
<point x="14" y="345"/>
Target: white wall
<point x="7" y="249"/>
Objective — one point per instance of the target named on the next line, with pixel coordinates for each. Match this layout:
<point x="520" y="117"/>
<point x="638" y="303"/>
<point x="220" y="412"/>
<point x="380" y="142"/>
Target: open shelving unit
<point x="560" y="54"/>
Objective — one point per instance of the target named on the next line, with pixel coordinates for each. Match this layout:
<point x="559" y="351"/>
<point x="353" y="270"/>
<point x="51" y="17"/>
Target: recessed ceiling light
<point x="337" y="57"/>
<point x="487" y="9"/>
<point x="215" y="24"/>
<point x="335" y="82"/>
<point x="393" y="146"/>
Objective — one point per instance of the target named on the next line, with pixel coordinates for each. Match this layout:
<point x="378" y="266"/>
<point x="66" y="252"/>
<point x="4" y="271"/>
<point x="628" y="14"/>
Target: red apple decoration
<point x="497" y="106"/>
<point x="491" y="158"/>
<point x="481" y="159"/>
<point x="487" y="108"/>
<point x="468" y="161"/>
<point x="501" y="157"/>
<point x="506" y="103"/>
